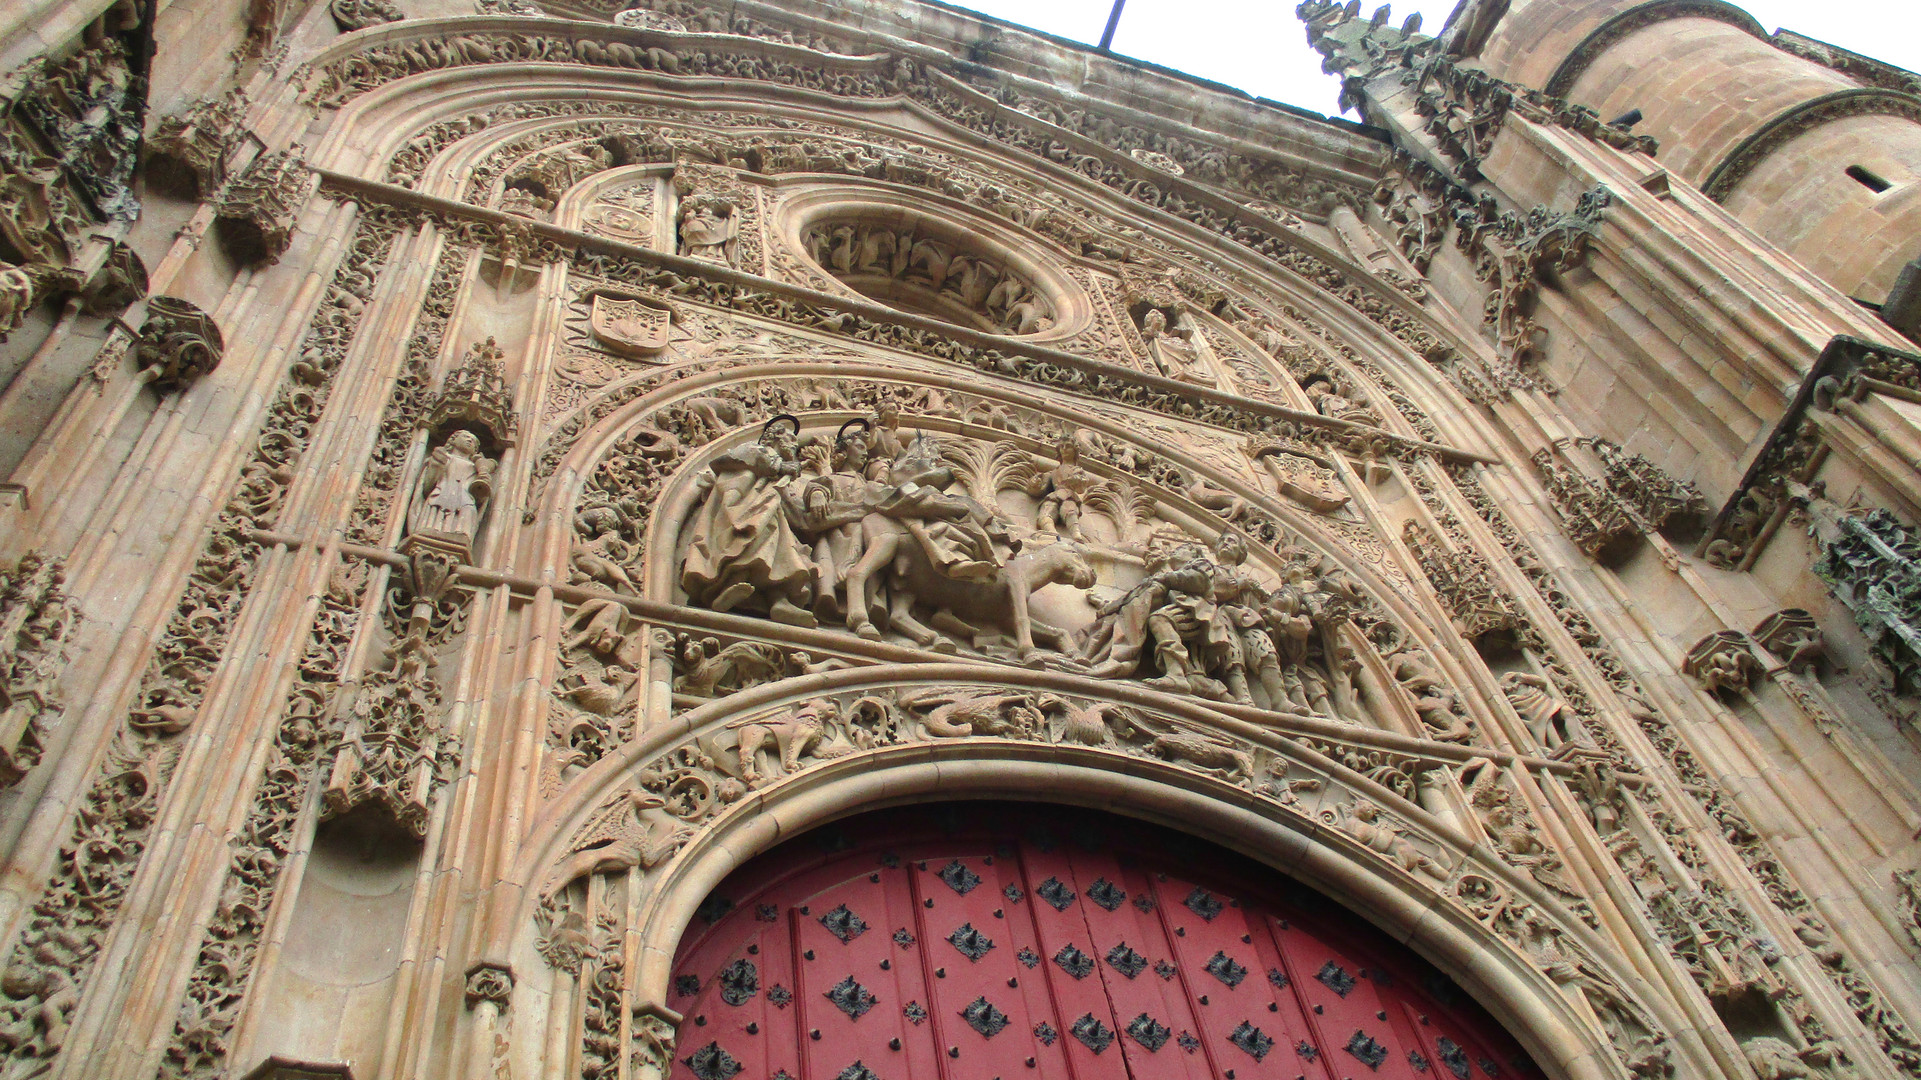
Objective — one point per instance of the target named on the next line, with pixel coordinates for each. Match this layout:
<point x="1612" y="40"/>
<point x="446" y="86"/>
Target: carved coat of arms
<point x="630" y="327"/>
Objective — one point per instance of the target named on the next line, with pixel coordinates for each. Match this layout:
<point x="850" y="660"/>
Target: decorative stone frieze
<point x="1873" y="564"/>
<point x="1848" y="369"/>
<point x="773" y="417"/>
<point x="360" y="14"/>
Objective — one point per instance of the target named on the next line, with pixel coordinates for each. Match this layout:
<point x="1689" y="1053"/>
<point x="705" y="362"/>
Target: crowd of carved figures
<point x="945" y="541"/>
<point x="996" y="293"/>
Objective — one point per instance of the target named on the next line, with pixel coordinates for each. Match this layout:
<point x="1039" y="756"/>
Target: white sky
<point x="1260" y="47"/>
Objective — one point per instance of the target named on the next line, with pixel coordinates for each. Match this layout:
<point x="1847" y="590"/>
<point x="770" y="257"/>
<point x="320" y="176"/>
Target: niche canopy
<point x="935" y="267"/>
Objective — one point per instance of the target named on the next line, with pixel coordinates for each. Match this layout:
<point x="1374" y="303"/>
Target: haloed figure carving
<point x="743" y="540"/>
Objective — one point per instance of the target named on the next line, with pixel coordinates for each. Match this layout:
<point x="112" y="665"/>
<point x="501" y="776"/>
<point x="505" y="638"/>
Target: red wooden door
<point x="980" y="941"/>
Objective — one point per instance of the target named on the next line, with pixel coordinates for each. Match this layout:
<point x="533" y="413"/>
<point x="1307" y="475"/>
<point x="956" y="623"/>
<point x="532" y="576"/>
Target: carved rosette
<point x="491" y="983"/>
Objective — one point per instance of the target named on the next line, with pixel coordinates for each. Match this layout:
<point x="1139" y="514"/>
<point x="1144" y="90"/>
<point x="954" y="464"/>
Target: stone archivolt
<point x="587" y="606"/>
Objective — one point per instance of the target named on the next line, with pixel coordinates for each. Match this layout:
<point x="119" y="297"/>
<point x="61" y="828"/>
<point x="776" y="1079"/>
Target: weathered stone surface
<point x="598" y="444"/>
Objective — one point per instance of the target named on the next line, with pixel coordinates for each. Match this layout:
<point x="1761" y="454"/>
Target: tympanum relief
<point x="1002" y="549"/>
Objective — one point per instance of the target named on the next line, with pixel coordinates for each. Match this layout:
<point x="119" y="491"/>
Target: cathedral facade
<point x="789" y="540"/>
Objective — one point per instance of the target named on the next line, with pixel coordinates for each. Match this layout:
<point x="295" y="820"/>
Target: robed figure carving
<point x="742" y="539"/>
<point x="453" y="491"/>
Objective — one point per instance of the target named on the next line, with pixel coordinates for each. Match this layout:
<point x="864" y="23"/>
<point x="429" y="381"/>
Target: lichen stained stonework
<point x="662" y="540"/>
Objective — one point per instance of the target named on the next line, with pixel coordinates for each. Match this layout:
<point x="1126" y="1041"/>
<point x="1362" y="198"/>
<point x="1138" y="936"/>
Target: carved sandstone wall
<point x="559" y="453"/>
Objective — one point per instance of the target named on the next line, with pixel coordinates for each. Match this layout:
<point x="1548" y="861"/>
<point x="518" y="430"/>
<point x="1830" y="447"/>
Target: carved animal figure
<point x="959" y="714"/>
<point x="1086" y="725"/>
<point x="1208" y="755"/>
<point x="616" y="839"/>
<point x="802" y="733"/>
<point x="712" y="668"/>
<point x="599" y="626"/>
<point x="602" y="694"/>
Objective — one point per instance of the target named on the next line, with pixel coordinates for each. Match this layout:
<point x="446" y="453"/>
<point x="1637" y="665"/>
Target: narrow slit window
<point x="1869" y="180"/>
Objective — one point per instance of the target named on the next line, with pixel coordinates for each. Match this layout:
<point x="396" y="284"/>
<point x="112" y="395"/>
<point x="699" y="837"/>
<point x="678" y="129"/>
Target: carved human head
<point x="1067" y="449"/>
<point x="465" y="441"/>
<point x="850" y="445"/>
<point x="1154" y="322"/>
<point x="1230" y="549"/>
<point x="781" y="433"/>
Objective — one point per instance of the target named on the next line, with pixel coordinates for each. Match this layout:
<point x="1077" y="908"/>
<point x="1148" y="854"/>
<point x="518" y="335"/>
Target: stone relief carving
<point x="686" y="786"/>
<point x="1706" y="802"/>
<point x="380" y="64"/>
<point x="309" y="725"/>
<point x="360" y="14"/>
<point x="178" y="343"/>
<point x="1465" y="582"/>
<point x="1593" y="517"/>
<point x="863" y="254"/>
<point x="48" y="966"/>
<point x="919" y="545"/>
<point x="717" y="218"/>
<point x="36" y="616"/>
<point x="1511" y="252"/>
<point x="87" y="108"/>
<point x="187" y="153"/>
<point x="625" y="213"/>
<point x="710" y="229"/>
<point x="1645" y="487"/>
<point x="1873" y="565"/>
<point x="256" y="211"/>
<point x="18" y="293"/>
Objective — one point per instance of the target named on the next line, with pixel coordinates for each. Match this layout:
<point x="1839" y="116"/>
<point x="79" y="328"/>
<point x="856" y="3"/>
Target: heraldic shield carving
<point x="631" y="326"/>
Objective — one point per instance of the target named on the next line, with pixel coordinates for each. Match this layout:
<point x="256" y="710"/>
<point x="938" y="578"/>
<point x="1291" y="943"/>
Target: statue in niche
<point x="1062" y="489"/>
<point x="453" y="490"/>
<point x="1173" y="347"/>
<point x="743" y="541"/>
<point x="710" y="229"/>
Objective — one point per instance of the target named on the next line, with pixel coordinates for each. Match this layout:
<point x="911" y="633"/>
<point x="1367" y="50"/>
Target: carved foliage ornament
<point x="178" y="343"/>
